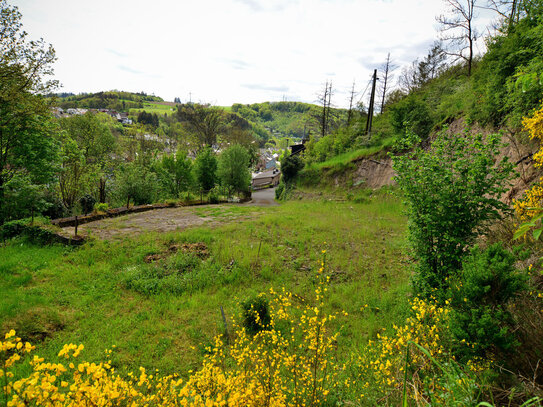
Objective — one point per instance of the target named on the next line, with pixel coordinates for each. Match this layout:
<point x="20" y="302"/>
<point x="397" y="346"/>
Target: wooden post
<point x="76" y="225"/>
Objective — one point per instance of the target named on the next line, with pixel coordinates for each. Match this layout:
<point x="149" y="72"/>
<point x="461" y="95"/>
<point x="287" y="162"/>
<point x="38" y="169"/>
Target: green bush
<point x="412" y="114"/>
<point x="101" y="207"/>
<point x="256" y="314"/>
<point x="290" y="166"/>
<point x="24" y="227"/>
<point x="479" y="298"/>
<point x="452" y="191"/>
<point x="87" y="203"/>
<point x="279" y="190"/>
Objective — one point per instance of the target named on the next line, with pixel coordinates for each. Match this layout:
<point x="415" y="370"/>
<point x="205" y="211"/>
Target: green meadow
<point x="160" y="307"/>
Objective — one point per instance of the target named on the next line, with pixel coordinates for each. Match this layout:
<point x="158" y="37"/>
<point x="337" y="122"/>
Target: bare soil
<point x="159" y="220"/>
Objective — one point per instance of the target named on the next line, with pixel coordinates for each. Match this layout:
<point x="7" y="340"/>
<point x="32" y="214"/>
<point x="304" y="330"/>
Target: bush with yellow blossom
<point x="291" y="361"/>
<point x="532" y="203"/>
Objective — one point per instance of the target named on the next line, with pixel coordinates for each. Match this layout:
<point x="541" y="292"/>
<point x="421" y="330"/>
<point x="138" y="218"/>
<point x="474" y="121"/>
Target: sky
<point x="231" y="51"/>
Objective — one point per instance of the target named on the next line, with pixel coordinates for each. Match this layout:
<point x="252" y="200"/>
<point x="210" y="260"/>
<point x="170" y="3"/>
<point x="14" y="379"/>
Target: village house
<point x="266" y="179"/>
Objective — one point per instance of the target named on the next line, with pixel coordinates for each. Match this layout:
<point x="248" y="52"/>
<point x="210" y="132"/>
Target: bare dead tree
<point x="351" y="100"/>
<point x="387" y="68"/>
<point x="325" y="100"/>
<point x="459" y="31"/>
<point x="510" y="11"/>
<point x="328" y="107"/>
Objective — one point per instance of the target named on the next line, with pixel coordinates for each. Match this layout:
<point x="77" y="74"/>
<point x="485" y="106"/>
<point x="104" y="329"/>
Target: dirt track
<point x="172" y="219"/>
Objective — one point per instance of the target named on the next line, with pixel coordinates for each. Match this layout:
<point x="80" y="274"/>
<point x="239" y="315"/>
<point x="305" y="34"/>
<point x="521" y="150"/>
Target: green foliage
<point x="174" y="173"/>
<point x="479" y="298"/>
<point x="205" y="169"/>
<point x="93" y="137"/>
<point x="148" y="118"/>
<point x="87" y="203"/>
<point x="516" y="53"/>
<point x="204" y="122"/>
<point x="290" y="166"/>
<point x="31" y="229"/>
<point x="27" y="146"/>
<point x="135" y="182"/>
<point x="411" y="114"/>
<point x="451" y="191"/>
<point x="280" y="190"/>
<point x="22" y="198"/>
<point x="256" y="314"/>
<point x="233" y="169"/>
<point x="101" y="207"/>
<point x="285" y="119"/>
<point x="114" y="100"/>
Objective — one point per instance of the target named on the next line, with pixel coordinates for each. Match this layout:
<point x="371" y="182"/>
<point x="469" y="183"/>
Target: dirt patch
<point x="159" y="220"/>
<point x="36" y="325"/>
<point x="199" y="249"/>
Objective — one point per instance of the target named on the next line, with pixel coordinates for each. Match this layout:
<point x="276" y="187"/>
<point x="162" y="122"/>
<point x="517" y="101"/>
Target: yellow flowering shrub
<point x="292" y="361"/>
<point x="421" y="347"/>
<point x="533" y="197"/>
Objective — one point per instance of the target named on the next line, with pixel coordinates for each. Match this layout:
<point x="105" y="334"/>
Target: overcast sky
<point x="228" y="51"/>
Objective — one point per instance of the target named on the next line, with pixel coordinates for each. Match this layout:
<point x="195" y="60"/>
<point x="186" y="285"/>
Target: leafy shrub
<point x="87" y="203"/>
<point x="290" y="167"/>
<point x="451" y="191"/>
<point x="411" y="114"/>
<point x="23" y="227"/>
<point x="135" y="182"/>
<point x="279" y="190"/>
<point x="256" y="314"/>
<point x="101" y="207"/>
<point x="479" y="298"/>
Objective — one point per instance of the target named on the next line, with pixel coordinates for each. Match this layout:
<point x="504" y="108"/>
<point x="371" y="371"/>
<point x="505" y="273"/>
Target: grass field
<point x="162" y="314"/>
<point x="345" y="158"/>
<point x="155" y="107"/>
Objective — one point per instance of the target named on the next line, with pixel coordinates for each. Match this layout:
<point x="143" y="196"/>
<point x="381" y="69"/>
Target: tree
<point x="451" y="191"/>
<point x="386" y="70"/>
<point x="93" y="137"/>
<point x="351" y="106"/>
<point x="174" y="172"/>
<point x="205" y="169"/>
<point x="459" y="30"/>
<point x="203" y="121"/>
<point x="510" y="11"/>
<point x="290" y="166"/>
<point x="233" y="169"/>
<point x="72" y="171"/>
<point x="27" y="146"/>
<point x="135" y="182"/>
<point x="325" y="100"/>
<point x="421" y="72"/>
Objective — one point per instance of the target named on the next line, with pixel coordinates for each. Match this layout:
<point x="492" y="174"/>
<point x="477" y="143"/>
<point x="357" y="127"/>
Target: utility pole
<point x="372" y="102"/>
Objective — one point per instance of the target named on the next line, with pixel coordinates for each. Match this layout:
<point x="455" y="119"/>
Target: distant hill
<point x="287" y="119"/>
<point x="114" y="100"/>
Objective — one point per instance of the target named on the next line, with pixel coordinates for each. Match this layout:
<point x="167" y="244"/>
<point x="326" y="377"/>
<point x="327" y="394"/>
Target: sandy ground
<point x="170" y="219"/>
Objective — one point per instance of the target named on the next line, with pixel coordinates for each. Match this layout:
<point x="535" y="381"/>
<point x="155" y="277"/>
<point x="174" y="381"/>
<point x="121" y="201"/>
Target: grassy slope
<point x="78" y="295"/>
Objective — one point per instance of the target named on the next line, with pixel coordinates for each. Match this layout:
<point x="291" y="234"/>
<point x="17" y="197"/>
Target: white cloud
<point x="226" y="51"/>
